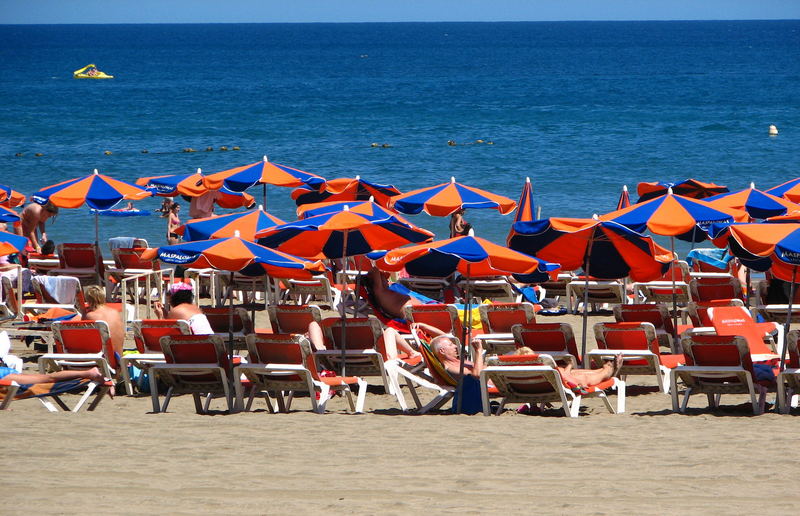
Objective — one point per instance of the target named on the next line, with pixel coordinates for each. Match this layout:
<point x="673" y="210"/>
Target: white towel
<point x="63" y="289"/>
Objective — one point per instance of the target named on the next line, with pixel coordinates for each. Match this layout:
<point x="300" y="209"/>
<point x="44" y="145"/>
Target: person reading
<point x="182" y="306"/>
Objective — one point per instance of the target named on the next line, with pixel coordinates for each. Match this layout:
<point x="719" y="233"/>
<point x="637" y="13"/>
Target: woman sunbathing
<point x="390" y="301"/>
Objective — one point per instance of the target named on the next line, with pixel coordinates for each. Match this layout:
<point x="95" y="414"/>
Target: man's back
<point x="112" y="318"/>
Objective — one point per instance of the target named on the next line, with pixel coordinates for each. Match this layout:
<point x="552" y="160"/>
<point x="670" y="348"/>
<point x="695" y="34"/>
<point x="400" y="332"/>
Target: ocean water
<point x="580" y="108"/>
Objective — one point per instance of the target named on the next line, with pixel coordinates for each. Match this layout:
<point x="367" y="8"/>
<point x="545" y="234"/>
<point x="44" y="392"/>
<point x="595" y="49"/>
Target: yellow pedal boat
<point x="90" y="71"/>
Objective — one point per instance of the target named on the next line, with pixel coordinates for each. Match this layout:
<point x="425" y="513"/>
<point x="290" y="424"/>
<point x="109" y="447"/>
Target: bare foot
<point x="617" y="365"/>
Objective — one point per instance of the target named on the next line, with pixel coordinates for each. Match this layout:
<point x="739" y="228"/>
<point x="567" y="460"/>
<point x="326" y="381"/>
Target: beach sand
<point x="122" y="459"/>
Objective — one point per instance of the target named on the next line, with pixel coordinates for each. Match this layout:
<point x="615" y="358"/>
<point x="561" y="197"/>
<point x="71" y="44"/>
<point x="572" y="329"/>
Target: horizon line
<point x="406" y="21"/>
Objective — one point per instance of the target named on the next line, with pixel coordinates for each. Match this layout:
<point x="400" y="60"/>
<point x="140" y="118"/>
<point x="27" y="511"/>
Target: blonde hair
<point x="523" y="350"/>
<point x="94" y="295"/>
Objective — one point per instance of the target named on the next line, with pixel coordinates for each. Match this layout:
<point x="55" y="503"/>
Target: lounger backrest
<point x="656" y="314"/>
<point x="220" y="319"/>
<point x="717" y="350"/>
<point x="736" y="320"/>
<point x="131" y="258"/>
<point x="500" y="317"/>
<point x="293" y="318"/>
<point x="84" y="337"/>
<point x="698" y="310"/>
<point x="281" y="348"/>
<point x="147" y="333"/>
<point x="546" y="338"/>
<point x="360" y="333"/>
<point x="78" y="256"/>
<point x="10" y="296"/>
<point x="435" y="367"/>
<point x="626" y="336"/>
<point x="441" y="316"/>
<point x="195" y="349"/>
<point x="711" y="288"/>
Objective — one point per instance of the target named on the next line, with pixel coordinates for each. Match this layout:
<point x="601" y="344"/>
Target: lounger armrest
<point x="338" y="352"/>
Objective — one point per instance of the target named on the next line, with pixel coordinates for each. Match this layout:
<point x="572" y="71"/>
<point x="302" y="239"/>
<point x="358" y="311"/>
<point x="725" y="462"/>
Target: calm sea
<point x="581" y="108"/>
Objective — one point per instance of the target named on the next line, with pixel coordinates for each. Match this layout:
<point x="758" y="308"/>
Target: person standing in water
<point x="459" y="226"/>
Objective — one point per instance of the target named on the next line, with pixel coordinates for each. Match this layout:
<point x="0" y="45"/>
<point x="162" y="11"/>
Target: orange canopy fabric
<point x="239" y="179"/>
<point x="10" y="198"/>
<point x="447" y="198"/>
<point x="97" y="190"/>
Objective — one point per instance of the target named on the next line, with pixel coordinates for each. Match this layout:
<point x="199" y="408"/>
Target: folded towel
<point x="63" y="289"/>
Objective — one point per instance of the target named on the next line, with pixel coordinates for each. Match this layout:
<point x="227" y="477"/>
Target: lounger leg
<point x="11" y="391"/>
<point x="48" y="405"/>
<point x="324" y="396"/>
<point x="607" y="403"/>
<point x="500" y="407"/>
<point x="781" y="401"/>
<point x="622" y="389"/>
<point x="289" y="400"/>
<point x="673" y="391"/>
<point x="167" y="399"/>
<point x="89" y="390"/>
<point x="487" y="409"/>
<point x="362" y="395"/>
<point x="573" y="409"/>
<point x="391" y="372"/>
<point x="154" y="392"/>
<point x="663" y="379"/>
<point x="207" y="403"/>
<point x="101" y="393"/>
<point x="281" y="402"/>
<point x="126" y="377"/>
<point x="61" y="403"/>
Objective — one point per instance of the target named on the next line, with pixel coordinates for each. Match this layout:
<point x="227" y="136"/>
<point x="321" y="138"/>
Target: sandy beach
<point x="122" y="459"/>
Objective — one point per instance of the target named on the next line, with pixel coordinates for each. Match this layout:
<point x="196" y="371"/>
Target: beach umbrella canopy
<point x="191" y="185"/>
<point x="345" y="189"/>
<point x="526" y="208"/>
<point x="688" y="188"/>
<point x="11" y="243"/>
<point x="674" y="216"/>
<point x="10" y="198"/>
<point x="792" y="216"/>
<point x="343" y="233"/>
<point x="262" y="172"/>
<point x="608" y="249"/>
<point x="96" y="190"/>
<point x="789" y="190"/>
<point x="624" y="198"/>
<point x="469" y="255"/>
<point x="245" y="223"/>
<point x="447" y="198"/>
<point x="8" y="215"/>
<point x="364" y="207"/>
<point x="235" y="254"/>
<point x="758" y="204"/>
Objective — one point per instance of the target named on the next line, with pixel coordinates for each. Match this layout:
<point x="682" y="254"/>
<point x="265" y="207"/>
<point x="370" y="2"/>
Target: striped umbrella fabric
<point x="235" y="254"/>
<point x="526" y="208"/>
<point x="11" y="243"/>
<point x="370" y="208"/>
<point x="758" y="204"/>
<point x="191" y="185"/>
<point x="264" y="172"/>
<point x="688" y="188"/>
<point x="447" y="198"/>
<point x="10" y="197"/>
<point x="247" y="224"/>
<point x="675" y="216"/>
<point x="624" y="198"/>
<point x="789" y="190"/>
<point x="8" y="215"/>
<point x="342" y="233"/>
<point x="96" y="190"/>
<point x="607" y="249"/>
<point x="345" y="189"/>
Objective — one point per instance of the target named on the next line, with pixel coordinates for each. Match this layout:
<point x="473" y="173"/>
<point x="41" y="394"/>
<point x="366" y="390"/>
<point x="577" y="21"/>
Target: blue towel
<point x="718" y="258"/>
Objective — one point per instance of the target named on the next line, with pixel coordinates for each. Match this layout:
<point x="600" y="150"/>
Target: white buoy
<point x="773" y="130"/>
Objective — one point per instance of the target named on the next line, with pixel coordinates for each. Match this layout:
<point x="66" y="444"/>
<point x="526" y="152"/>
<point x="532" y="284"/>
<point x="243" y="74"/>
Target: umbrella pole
<point x="788" y="320"/>
<point x="230" y="318"/>
<point x="465" y="334"/>
<point x="96" y="231"/>
<point x="674" y="294"/>
<point x="265" y="195"/>
<point x="586" y="258"/>
<point x="342" y="308"/>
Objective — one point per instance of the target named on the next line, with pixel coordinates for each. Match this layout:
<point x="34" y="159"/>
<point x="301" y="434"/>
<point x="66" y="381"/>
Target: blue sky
<point x="265" y="11"/>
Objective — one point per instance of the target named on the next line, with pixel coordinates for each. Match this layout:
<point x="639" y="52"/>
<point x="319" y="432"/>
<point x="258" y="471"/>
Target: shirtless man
<point x="182" y="306"/>
<point x="32" y="222"/>
<point x="99" y="311"/>
<point x="446" y="350"/>
<point x="390" y="301"/>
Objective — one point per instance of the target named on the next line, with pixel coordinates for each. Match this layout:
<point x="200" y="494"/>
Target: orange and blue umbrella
<point x="688" y="188"/>
<point x="370" y="208"/>
<point x="96" y="190"/>
<point x="247" y="224"/>
<point x="342" y="233"/>
<point x="8" y="215"/>
<point x="789" y="190"/>
<point x="235" y="254"/>
<point x="471" y="256"/>
<point x="526" y="207"/>
<point x="345" y="189"/>
<point x="758" y="204"/>
<point x="263" y="172"/>
<point x="603" y="249"/>
<point x="447" y="198"/>
<point x="191" y="185"/>
<point x="675" y="216"/>
<point x="11" y="243"/>
<point x="10" y="197"/>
